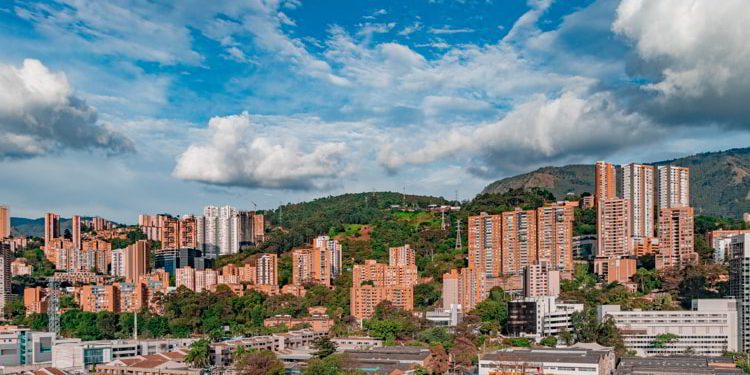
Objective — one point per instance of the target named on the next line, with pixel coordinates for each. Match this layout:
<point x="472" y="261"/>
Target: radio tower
<point x="459" y="245"/>
<point x="52" y="308"/>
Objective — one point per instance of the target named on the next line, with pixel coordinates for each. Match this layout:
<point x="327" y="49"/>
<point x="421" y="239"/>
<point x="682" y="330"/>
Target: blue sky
<point x="123" y="107"/>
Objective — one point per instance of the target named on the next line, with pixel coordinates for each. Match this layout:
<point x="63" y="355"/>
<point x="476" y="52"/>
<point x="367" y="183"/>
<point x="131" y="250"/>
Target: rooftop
<point x="574" y="355"/>
<point x="677" y="365"/>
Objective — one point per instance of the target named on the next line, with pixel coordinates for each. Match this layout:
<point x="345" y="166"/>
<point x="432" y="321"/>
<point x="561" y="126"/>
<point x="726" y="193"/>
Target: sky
<point x="115" y="108"/>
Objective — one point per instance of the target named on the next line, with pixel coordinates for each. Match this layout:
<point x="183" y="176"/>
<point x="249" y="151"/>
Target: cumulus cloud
<point x="576" y="124"/>
<point x="697" y="61"/>
<point x="234" y="154"/>
<point x="40" y="114"/>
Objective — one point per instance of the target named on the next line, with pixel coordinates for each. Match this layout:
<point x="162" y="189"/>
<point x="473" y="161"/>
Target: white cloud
<point x="233" y="154"/>
<point x="408" y="30"/>
<point x="39" y="114"/>
<point x="449" y="30"/>
<point x="577" y="124"/>
<point x="700" y="51"/>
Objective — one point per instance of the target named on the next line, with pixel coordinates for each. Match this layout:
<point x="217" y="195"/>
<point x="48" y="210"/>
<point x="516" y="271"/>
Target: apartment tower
<point x="519" y="241"/>
<point x="484" y="240"/>
<point x="676" y="241"/>
<point x="555" y="235"/>
<point x="638" y="187"/>
<point x="4" y="222"/>
<point x="674" y="186"/>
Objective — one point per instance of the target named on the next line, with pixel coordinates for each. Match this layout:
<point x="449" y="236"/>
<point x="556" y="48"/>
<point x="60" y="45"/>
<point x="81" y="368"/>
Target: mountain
<point x="719" y="181"/>
<point x="33" y="227"/>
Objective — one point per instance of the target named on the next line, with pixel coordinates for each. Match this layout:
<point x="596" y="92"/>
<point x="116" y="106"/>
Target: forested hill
<point x="719" y="181"/>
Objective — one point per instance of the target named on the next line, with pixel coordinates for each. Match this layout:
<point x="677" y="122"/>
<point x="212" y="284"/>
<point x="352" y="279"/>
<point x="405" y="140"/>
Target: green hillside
<point x="719" y="181"/>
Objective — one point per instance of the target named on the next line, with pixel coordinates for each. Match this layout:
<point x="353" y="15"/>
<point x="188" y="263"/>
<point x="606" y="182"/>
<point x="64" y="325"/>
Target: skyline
<point x="286" y="101"/>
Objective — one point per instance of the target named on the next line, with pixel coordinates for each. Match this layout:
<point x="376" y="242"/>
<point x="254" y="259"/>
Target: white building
<point x="23" y="347"/>
<point x="449" y="317"/>
<point x="538" y="317"/>
<point x="674" y="186"/>
<point x="76" y="354"/>
<point x="568" y="361"/>
<point x="219" y="231"/>
<point x="118" y="262"/>
<point x="709" y="329"/>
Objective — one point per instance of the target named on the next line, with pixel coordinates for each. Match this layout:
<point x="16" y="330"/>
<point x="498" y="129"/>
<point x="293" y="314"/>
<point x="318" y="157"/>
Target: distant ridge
<point x="719" y="181"/>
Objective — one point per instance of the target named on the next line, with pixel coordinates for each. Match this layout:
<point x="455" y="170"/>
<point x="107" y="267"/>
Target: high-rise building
<point x="638" y="187"/>
<point x="311" y="265"/>
<point x="252" y="228"/>
<point x="541" y="280"/>
<point x="555" y="235"/>
<point x="674" y="186"/>
<point x="484" y="240"/>
<point x="613" y="228"/>
<point x="605" y="176"/>
<point x="136" y="260"/>
<point x="5" y="275"/>
<point x="75" y="229"/>
<point x="519" y="246"/>
<point x="51" y="232"/>
<point x="739" y="284"/>
<point x="332" y="246"/>
<point x="152" y="226"/>
<point x="185" y="276"/>
<point x="373" y="283"/>
<point x="171" y="259"/>
<point x="98" y="223"/>
<point x="464" y="287"/>
<point x="720" y="241"/>
<point x="4" y="222"/>
<point x="34" y="300"/>
<point x="219" y="231"/>
<point x="402" y="256"/>
<point x="266" y="270"/>
<point x="179" y="233"/>
<point x="676" y="242"/>
<point x="118" y="263"/>
<point x="96" y="298"/>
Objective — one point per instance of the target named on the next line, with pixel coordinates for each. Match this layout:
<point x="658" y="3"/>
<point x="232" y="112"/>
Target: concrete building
<point x="6" y="292"/>
<point x="51" y="232"/>
<point x="639" y="184"/>
<point x="219" y="231"/>
<point x="541" y="280"/>
<point x="222" y="353"/>
<point x="464" y="287"/>
<point x="568" y="361"/>
<point x="311" y="265"/>
<point x="34" y="300"/>
<point x="519" y="242"/>
<point x="538" y="317"/>
<point x="75" y="354"/>
<point x="152" y="226"/>
<point x="252" y="228"/>
<point x="261" y="269"/>
<point x="720" y="240"/>
<point x="446" y="317"/>
<point x="676" y="238"/>
<point x="136" y="258"/>
<point x="555" y="235"/>
<point x="373" y="283"/>
<point x="708" y="329"/>
<point x="96" y="298"/>
<point x="616" y="270"/>
<point x="334" y="252"/>
<point x="674" y="187"/>
<point x="75" y="231"/>
<point x="739" y="284"/>
<point x="356" y="343"/>
<point x="4" y="221"/>
<point x="23" y="347"/>
<point x="179" y="233"/>
<point x="613" y="228"/>
<point x="388" y="359"/>
<point x="172" y="259"/>
<point x="605" y="182"/>
<point x="402" y="256"/>
<point x="678" y="365"/>
<point x="170" y="363"/>
<point x="484" y="243"/>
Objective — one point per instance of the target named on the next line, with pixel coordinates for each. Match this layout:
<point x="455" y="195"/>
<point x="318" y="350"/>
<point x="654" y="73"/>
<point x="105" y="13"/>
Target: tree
<point x="464" y="352"/>
<point x="566" y="336"/>
<point x="585" y="325"/>
<point x="549" y="341"/>
<point x="438" y="362"/>
<point x="14" y="309"/>
<point x="437" y="335"/>
<point x="199" y="354"/>
<point x="425" y="295"/>
<point x="323" y="346"/>
<point x="258" y="362"/>
<point x="663" y="339"/>
<point x="331" y="365"/>
<point x="609" y="335"/>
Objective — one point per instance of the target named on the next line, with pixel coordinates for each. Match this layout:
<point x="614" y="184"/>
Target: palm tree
<point x="199" y="354"/>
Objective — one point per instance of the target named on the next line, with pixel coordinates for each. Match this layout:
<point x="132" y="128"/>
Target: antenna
<point x="459" y="244"/>
<point x="52" y="308"/>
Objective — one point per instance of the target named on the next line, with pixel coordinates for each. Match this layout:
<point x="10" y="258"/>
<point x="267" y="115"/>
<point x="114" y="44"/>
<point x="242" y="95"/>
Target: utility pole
<point x="53" y="305"/>
<point x="135" y="326"/>
<point x="459" y="242"/>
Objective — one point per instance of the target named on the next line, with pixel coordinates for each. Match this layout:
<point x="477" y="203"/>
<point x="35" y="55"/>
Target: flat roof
<point x="545" y="355"/>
